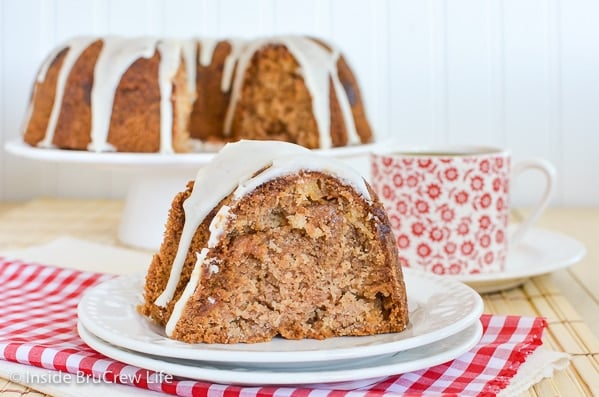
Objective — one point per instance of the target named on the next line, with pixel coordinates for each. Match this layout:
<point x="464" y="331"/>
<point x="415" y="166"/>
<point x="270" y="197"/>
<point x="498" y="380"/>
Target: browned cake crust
<point x="74" y="120"/>
<point x="210" y="106"/>
<point x="42" y="99"/>
<point x="352" y="89"/>
<point x="159" y="270"/>
<point x="306" y="257"/>
<point x="135" y="121"/>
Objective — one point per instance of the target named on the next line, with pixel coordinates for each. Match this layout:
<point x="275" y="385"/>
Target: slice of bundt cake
<point x="271" y="239"/>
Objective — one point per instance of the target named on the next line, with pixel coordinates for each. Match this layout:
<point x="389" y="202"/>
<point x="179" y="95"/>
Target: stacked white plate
<point x="444" y="323"/>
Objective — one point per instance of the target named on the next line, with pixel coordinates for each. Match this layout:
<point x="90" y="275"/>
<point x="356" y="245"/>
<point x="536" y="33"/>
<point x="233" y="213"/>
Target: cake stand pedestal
<point x="147" y="203"/>
<point x="155" y="179"/>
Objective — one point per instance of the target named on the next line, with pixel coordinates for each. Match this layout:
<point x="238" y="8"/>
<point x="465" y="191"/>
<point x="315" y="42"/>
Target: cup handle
<point x="548" y="170"/>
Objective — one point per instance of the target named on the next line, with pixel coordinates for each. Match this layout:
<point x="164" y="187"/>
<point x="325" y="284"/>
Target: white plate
<point x="356" y="371"/>
<point x="541" y="251"/>
<point x="175" y="160"/>
<point x="438" y="308"/>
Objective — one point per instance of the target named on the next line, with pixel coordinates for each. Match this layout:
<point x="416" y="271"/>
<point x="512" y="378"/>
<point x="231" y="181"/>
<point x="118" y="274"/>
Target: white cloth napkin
<point x="543" y="363"/>
<point x="83" y="255"/>
<point x="74" y="253"/>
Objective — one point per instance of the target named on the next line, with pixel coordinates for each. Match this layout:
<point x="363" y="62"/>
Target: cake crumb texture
<point x="303" y="256"/>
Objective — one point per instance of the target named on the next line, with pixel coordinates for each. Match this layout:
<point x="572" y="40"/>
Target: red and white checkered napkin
<point x="38" y="319"/>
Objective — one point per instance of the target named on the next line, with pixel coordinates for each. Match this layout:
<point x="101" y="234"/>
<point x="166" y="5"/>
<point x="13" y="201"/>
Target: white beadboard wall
<point x="523" y="74"/>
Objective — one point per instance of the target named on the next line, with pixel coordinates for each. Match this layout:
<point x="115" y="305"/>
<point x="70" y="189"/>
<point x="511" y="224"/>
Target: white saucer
<point x="541" y="251"/>
<point x="354" y="371"/>
<point x="438" y="308"/>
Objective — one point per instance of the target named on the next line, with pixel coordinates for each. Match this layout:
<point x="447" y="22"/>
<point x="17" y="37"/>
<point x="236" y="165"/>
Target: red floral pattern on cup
<point x="449" y="214"/>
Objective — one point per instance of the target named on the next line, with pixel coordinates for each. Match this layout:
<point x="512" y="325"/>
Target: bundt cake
<point x="152" y="95"/>
<point x="273" y="240"/>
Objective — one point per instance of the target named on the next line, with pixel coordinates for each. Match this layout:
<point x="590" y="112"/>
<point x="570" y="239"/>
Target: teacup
<point x="449" y="206"/>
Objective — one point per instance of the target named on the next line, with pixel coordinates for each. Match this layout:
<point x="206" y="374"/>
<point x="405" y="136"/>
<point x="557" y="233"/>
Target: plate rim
<point x="243" y="377"/>
<point x="284" y="356"/>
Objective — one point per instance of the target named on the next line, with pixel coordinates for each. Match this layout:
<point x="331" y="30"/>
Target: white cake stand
<point x="156" y="179"/>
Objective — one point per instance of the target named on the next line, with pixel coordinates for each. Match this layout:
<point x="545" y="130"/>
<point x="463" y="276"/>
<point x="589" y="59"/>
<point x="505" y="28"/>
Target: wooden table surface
<point x="579" y="284"/>
<point x="569" y="298"/>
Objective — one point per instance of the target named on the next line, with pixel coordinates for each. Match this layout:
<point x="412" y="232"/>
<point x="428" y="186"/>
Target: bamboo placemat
<point x="43" y="220"/>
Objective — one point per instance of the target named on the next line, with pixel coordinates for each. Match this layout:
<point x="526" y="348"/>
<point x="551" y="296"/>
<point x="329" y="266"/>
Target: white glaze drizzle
<point x="217" y="226"/>
<point x="41" y="74"/>
<point x="237" y="48"/>
<point x="76" y="47"/>
<point x="348" y="118"/>
<point x="190" y="54"/>
<point x="317" y="65"/>
<point x="207" y="47"/>
<point x="188" y="292"/>
<point x="234" y="166"/>
<point x="170" y="59"/>
<point x="40" y="78"/>
<point x="289" y="165"/>
<point x="28" y="112"/>
<point x="117" y="55"/>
